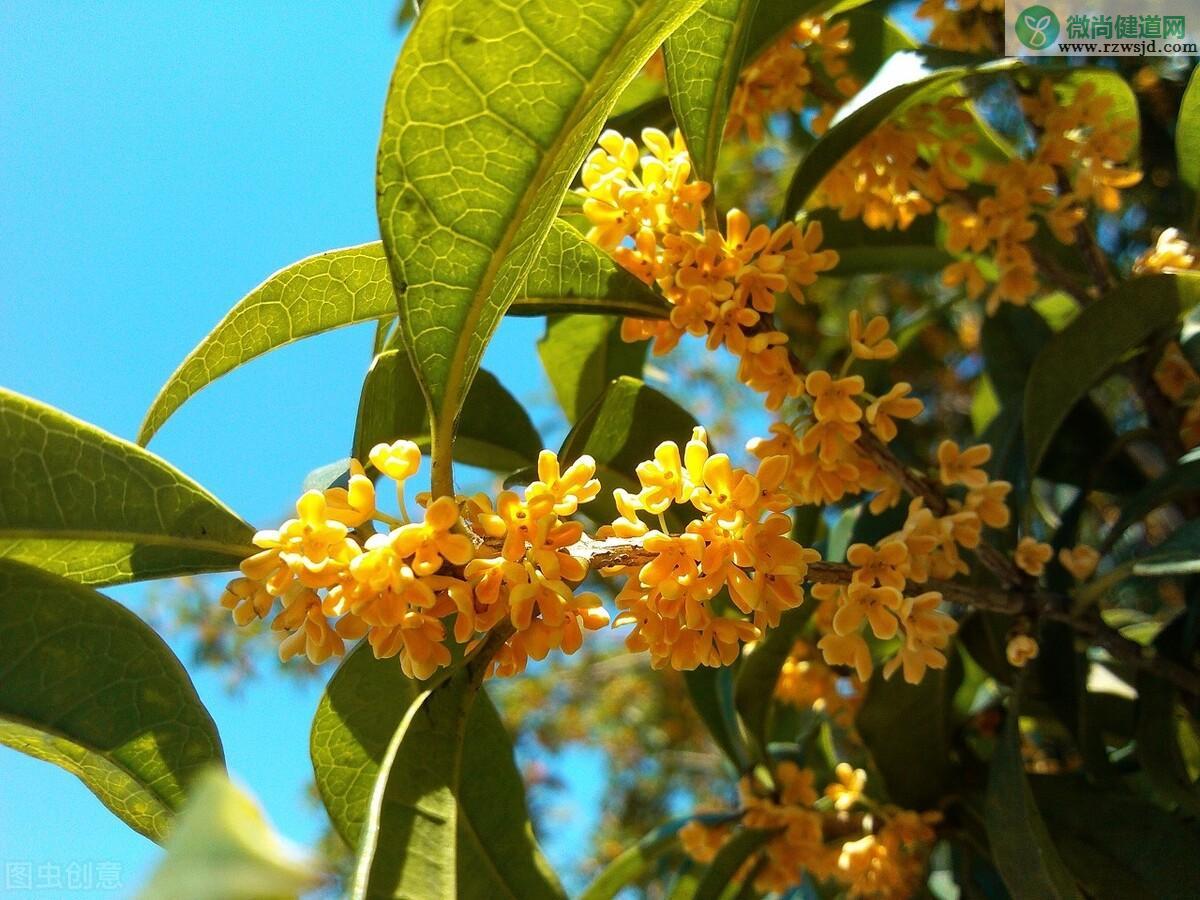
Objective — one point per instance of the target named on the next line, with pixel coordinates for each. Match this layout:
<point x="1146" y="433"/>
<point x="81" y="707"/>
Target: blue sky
<point x="156" y="162"/>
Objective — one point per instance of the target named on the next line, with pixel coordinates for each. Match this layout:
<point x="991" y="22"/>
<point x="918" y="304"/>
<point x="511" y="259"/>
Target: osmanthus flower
<point x="847" y="790"/>
<point x="989" y="503"/>
<point x="957" y="466"/>
<point x="466" y="566"/>
<point x="870" y="341"/>
<point x="735" y="539"/>
<point x="959" y="24"/>
<point x="778" y="79"/>
<point x="883" y="411"/>
<point x="834" y="399"/>
<point x="807" y="683"/>
<point x="884" y="566"/>
<point x="1172" y="252"/>
<point x="1032" y="555"/>
<point x="1080" y="561"/>
<point x="1020" y="650"/>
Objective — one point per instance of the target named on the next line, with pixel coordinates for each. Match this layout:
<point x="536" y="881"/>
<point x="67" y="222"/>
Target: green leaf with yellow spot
<point x="704" y="58"/>
<point x="91" y="507"/>
<point x="88" y="686"/>
<point x="491" y="111"/>
<point x="345" y="287"/>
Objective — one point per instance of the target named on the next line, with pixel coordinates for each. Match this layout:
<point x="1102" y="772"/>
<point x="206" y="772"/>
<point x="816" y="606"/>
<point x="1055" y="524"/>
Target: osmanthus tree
<point x="941" y="617"/>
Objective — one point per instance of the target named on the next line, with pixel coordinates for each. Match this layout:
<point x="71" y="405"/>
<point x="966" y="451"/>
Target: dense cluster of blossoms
<point x="647" y="212"/>
<point x="920" y="161"/>
<point x="886" y="858"/>
<point x="338" y="579"/>
<point x="782" y="78"/>
<point x="962" y="24"/>
<point x="734" y="545"/>
<point x="806" y="682"/>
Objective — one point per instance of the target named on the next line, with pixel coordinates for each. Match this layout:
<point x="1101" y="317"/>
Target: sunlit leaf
<point x="91" y="507"/>
<point x="1187" y="142"/>
<point x="704" y="58"/>
<point x="87" y="685"/>
<point x="223" y="848"/>
<point x="345" y="287"/>
<point x="632" y="864"/>
<point x="582" y="355"/>
<point x="490" y="113"/>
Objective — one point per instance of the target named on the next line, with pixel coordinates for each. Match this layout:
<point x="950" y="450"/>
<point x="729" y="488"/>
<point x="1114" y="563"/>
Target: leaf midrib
<point x="153" y="539"/>
<point x="444" y="427"/>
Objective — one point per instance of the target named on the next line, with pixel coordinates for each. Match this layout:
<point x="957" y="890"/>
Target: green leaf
<point x="223" y="848"/>
<point x="711" y="691"/>
<point x="345" y="287"/>
<point x="622" y="429"/>
<point x="571" y="274"/>
<point x="99" y="510"/>
<point x="1078" y="357"/>
<point x="1118" y="845"/>
<point x="1180" y="480"/>
<point x="703" y="59"/>
<point x="909" y="730"/>
<point x="632" y="864"/>
<point x="1158" y="748"/>
<point x="863" y="250"/>
<point x="1021" y="845"/>
<point x="905" y="80"/>
<point x="491" y="111"/>
<point x="87" y="685"/>
<point x="726" y="864"/>
<point x="754" y="689"/>
<point x="1187" y="144"/>
<point x="485" y="845"/>
<point x="496" y="432"/>
<point x="582" y="354"/>
<point x="314" y="295"/>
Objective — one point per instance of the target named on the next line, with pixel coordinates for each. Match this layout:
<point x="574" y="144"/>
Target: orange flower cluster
<point x="646" y="212"/>
<point x="807" y="683"/>
<point x="961" y="24"/>
<point x="1081" y="145"/>
<point x="781" y="79"/>
<point x="736" y="540"/>
<point x="826" y="460"/>
<point x="926" y="546"/>
<point x="399" y="587"/>
<point x="903" y="167"/>
<point x="888" y="862"/>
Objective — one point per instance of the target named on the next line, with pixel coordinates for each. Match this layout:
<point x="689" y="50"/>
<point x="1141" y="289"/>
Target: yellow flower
<point x="847" y="650"/>
<point x="895" y="404"/>
<point x="962" y="466"/>
<point x="834" y="400"/>
<point x="883" y="567"/>
<point x="1020" y="650"/>
<point x="662" y="479"/>
<point x="431" y="542"/>
<point x="847" y="790"/>
<point x="872" y="341"/>
<point x="354" y="504"/>
<point x="875" y="604"/>
<point x="1080" y="561"/>
<point x="568" y="489"/>
<point x="988" y="502"/>
<point x="1032" y="556"/>
<point x="397" y="461"/>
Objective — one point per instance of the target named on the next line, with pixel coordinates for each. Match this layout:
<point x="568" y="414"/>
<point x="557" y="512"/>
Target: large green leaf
<point x="345" y="287"/>
<point x="581" y="355"/>
<point x="451" y="759"/>
<point x="1180" y="480"/>
<point x="89" y="506"/>
<point x="904" y="81"/>
<point x="496" y="432"/>
<point x="704" y="58"/>
<point x="223" y="848"/>
<point x="1077" y="358"/>
<point x="754" y="690"/>
<point x="1187" y="142"/>
<point x="620" y="430"/>
<point x="1020" y="843"/>
<point x="1118" y="845"/>
<point x="711" y="691"/>
<point x="909" y="730"/>
<point x="87" y="685"/>
<point x="863" y="250"/>
<point x="491" y="111"/>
